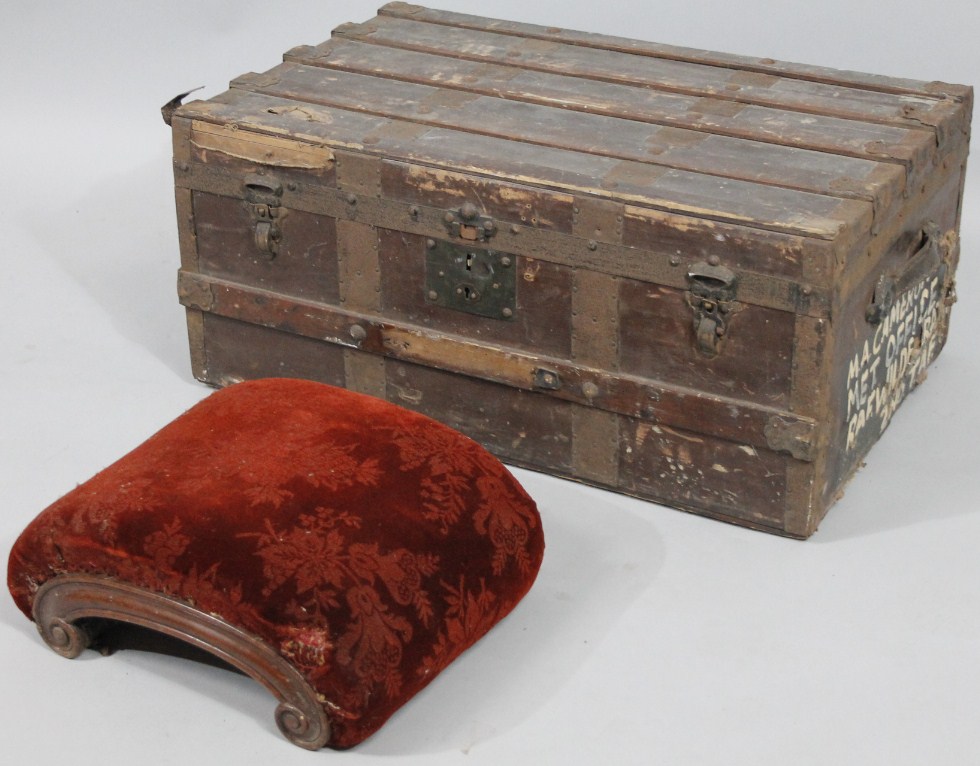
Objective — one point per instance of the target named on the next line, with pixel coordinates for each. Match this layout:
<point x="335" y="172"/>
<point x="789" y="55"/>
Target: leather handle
<point x="925" y="260"/>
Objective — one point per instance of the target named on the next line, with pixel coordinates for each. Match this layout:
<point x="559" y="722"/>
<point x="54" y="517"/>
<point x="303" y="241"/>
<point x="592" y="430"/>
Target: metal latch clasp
<point x="263" y="197"/>
<point x="467" y="223"/>
<point x="711" y="295"/>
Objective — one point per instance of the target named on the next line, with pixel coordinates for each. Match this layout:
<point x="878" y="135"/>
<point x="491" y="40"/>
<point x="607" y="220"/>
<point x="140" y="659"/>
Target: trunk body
<point x="700" y="279"/>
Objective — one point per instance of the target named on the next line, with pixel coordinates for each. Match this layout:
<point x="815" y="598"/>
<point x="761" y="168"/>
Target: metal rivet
<point x="713" y="260"/>
<point x="807" y="290"/>
<point x="357" y="332"/>
<point x="430" y="243"/>
<point x="291" y="186"/>
<point x="507" y="312"/>
<point x="433" y="295"/>
<point x="515" y="229"/>
<point x="351" y="199"/>
<point x="590" y="389"/>
<point x="675" y="261"/>
<point x="593" y="244"/>
<point x="505" y="261"/>
<point x="449" y="218"/>
<point x="468" y="211"/>
<point x="414" y="212"/>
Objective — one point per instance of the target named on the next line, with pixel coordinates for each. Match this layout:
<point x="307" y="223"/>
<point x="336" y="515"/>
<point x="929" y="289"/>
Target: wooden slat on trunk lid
<point x="680" y="148"/>
<point x="908" y="146"/>
<point x="662" y="74"/>
<point x="710" y="197"/>
<point x="677" y="53"/>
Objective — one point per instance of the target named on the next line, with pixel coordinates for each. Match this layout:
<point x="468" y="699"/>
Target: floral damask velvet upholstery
<point x="368" y="544"/>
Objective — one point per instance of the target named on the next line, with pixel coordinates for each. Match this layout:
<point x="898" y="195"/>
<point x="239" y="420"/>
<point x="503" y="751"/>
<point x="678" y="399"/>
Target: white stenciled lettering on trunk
<point x="893" y="359"/>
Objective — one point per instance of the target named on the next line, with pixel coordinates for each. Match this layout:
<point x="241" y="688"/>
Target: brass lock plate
<point x="471" y="279"/>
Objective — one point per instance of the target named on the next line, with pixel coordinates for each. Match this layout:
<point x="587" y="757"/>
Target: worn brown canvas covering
<point x="701" y="279"/>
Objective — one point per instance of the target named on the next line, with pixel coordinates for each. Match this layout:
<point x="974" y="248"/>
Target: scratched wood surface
<point x="621" y="177"/>
<point x="679" y="76"/>
<point x="752" y="204"/>
<point x="661" y="50"/>
<point x="902" y="144"/>
<point x="711" y="155"/>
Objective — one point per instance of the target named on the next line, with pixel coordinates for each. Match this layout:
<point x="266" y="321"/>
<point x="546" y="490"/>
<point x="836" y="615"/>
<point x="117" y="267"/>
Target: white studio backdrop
<point x="651" y="636"/>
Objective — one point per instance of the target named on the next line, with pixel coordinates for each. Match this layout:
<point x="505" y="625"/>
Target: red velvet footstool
<point x="337" y="548"/>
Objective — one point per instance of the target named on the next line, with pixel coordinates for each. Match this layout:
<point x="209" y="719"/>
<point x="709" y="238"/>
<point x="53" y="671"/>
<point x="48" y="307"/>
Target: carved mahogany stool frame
<point x="62" y="602"/>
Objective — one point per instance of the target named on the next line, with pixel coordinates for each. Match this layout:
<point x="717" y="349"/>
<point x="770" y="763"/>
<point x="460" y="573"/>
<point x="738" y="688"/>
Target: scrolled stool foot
<point x="301" y="729"/>
<point x="66" y="638"/>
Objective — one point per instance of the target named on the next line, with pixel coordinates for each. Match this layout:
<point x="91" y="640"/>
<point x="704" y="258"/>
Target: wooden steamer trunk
<point x="700" y="279"/>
